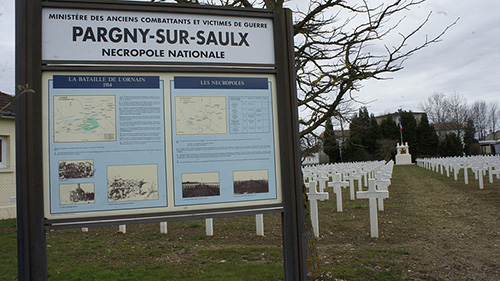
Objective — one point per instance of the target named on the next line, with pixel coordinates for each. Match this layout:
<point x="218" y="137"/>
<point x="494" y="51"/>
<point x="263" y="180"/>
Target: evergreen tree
<point x="427" y="139"/>
<point x="451" y="146"/>
<point x="373" y="135"/>
<point x="389" y="129"/>
<point x="386" y="149"/>
<point x="409" y="125"/>
<point x="330" y="146"/>
<point x="360" y="125"/>
<point x="355" y="148"/>
<point x="352" y="152"/>
<point x="471" y="145"/>
<point x="386" y="146"/>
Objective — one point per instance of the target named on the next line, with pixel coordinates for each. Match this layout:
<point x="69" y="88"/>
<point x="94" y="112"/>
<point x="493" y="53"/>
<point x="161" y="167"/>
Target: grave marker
<point x="313" y="195"/>
<point x="337" y="185"/>
<point x="372" y="195"/>
<point x="382" y="185"/>
<point x="321" y="182"/>
<point x="351" y="179"/>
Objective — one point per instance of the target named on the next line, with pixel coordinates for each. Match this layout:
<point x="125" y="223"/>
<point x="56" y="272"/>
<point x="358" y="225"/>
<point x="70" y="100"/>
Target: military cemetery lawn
<point x="432" y="228"/>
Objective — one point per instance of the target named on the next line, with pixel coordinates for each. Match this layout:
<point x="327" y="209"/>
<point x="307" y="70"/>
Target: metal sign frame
<point x="32" y="224"/>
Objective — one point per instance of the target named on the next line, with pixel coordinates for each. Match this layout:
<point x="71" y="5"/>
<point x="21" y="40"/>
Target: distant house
<point x="491" y="144"/>
<point x="395" y="117"/>
<point x="7" y="158"/>
<point x="321" y="157"/>
<point x="311" y="159"/>
<point x="443" y="129"/>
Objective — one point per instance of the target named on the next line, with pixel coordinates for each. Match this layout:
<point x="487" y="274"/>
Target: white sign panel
<point x="128" y="36"/>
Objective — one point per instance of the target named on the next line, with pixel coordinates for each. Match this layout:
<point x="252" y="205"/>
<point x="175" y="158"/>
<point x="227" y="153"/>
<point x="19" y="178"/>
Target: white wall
<point x="8" y="173"/>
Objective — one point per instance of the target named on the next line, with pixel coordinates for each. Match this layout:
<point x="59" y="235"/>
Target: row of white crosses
<point x="375" y="175"/>
<point x="479" y="165"/>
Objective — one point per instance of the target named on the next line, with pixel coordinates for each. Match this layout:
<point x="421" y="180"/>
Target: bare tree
<point x="458" y="112"/>
<point x="436" y="108"/>
<point x="335" y="49"/>
<point x="334" y="55"/>
<point x="308" y="145"/>
<point x="493" y="119"/>
<point x="479" y="115"/>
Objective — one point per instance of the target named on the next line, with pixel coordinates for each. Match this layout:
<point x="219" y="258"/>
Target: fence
<point x="7" y="194"/>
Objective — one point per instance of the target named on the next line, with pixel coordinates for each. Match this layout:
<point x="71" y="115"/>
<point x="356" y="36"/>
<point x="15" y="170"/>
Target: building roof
<point x="6" y="104"/>
<point x="447" y="126"/>
<point x="394" y="116"/>
<point x="339" y="134"/>
<point x="489" y="142"/>
<point x="493" y="136"/>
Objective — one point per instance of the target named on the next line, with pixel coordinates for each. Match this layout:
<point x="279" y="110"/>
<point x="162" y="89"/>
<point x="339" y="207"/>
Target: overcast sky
<point x="466" y="62"/>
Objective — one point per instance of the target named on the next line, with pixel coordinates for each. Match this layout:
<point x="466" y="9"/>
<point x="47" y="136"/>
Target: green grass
<point x="241" y="255"/>
<point x="367" y="263"/>
<point x="8" y="250"/>
<point x="356" y="204"/>
<point x="185" y="253"/>
<point x="423" y="218"/>
<point x="253" y="263"/>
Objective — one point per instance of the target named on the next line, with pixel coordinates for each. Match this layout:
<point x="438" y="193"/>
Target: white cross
<point x="372" y="194"/>
<point x="359" y="177"/>
<point x="492" y="172"/>
<point x="313" y="195"/>
<point x="337" y="184"/>
<point x="456" y="170"/>
<point x="479" y="172"/>
<point x="321" y="182"/>
<point x="351" y="179"/>
<point x="382" y="184"/>
<point x="466" y="174"/>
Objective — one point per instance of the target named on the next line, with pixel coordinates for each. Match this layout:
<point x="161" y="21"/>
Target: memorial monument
<point x="403" y="157"/>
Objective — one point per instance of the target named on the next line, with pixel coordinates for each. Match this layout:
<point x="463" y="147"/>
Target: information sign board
<point x="222" y="134"/>
<point x="151" y="112"/>
<point x="124" y="144"/>
<point x="106" y="143"/>
<point x="106" y="35"/>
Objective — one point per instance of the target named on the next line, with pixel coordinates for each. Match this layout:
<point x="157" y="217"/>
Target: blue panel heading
<point x="102" y="81"/>
<point x="220" y="83"/>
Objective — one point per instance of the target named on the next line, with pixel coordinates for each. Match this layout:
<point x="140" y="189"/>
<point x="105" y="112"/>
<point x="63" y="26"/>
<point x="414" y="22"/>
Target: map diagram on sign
<point x="84" y="118"/>
<point x="200" y="115"/>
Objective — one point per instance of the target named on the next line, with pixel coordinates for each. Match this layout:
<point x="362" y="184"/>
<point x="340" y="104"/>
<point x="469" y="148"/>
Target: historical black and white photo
<point x="200" y="185"/>
<point x="76" y="193"/>
<point x="132" y="183"/>
<point x="251" y="182"/>
<point x="76" y="169"/>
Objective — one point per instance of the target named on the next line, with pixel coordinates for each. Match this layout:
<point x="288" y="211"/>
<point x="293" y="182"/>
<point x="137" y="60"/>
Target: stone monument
<point x="403" y="157"/>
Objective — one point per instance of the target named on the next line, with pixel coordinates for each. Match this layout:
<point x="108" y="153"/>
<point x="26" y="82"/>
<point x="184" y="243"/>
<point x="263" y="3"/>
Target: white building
<point x="7" y="158"/>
